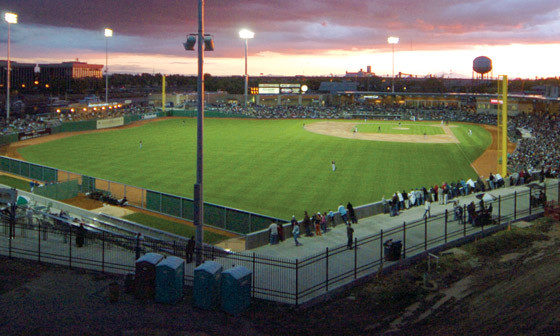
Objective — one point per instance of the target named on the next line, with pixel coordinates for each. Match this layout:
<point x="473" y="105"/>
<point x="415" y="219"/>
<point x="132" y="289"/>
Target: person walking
<point x="189" y="250"/>
<point x="427" y="207"/>
<point x="333" y="165"/>
<point x="350" y="235"/>
<point x="295" y="233"/>
<point x="294" y="221"/>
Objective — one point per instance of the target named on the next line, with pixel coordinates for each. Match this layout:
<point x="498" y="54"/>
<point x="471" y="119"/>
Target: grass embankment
<point x="272" y="167"/>
<point x="173" y="227"/>
<point x="15" y="183"/>
<point x="391" y="294"/>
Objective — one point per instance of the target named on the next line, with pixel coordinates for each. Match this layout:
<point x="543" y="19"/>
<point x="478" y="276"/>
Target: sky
<point x="292" y="37"/>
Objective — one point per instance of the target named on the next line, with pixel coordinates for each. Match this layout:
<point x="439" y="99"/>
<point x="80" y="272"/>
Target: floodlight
<point x="10" y="17"/>
<point x="208" y="42"/>
<point x="246" y="34"/>
<point x="108" y="32"/>
<point x="393" y="40"/>
<point x="191" y="41"/>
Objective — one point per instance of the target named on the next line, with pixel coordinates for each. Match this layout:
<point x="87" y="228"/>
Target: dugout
<point x="145" y="280"/>
<point x="206" y="289"/>
<point x="170" y="273"/>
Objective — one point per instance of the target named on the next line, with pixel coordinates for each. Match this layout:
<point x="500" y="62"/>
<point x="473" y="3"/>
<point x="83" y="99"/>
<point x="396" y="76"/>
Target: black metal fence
<point x="46" y="238"/>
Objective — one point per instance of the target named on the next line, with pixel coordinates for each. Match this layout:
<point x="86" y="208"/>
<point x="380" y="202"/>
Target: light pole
<point x="205" y="42"/>
<point x="108" y="33"/>
<point x="10" y="18"/>
<point x="246" y="35"/>
<point x="392" y="40"/>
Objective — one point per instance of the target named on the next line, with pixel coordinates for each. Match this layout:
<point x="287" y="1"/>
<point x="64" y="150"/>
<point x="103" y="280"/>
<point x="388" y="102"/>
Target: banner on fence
<point x="108" y="123"/>
<point x="149" y="116"/>
<point x="33" y="134"/>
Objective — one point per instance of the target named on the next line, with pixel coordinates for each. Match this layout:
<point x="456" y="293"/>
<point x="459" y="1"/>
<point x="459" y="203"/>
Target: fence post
<point x="464" y="221"/>
<point x="10" y="242"/>
<point x="297" y="282"/>
<point x="515" y="204"/>
<point x="381" y="258"/>
<point x="499" y="209"/>
<point x="70" y="249"/>
<point x="355" y="258"/>
<point x="253" y="281"/>
<point x="425" y="233"/>
<point x="404" y="239"/>
<point x="103" y="252"/>
<point x="558" y="193"/>
<point x="530" y="205"/>
<point x="250" y="223"/>
<point x="327" y="269"/>
<point x="445" y="232"/>
<point x="39" y="240"/>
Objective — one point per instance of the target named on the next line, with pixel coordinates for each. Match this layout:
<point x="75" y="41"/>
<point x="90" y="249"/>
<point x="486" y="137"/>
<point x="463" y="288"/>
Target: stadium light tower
<point x="205" y="42"/>
<point x="246" y="35"/>
<point x="108" y="33"/>
<point x="392" y="40"/>
<point x="10" y="18"/>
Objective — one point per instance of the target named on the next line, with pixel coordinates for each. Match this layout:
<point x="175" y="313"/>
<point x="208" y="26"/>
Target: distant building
<point x="360" y="73"/>
<point x="65" y="72"/>
<point x="21" y="74"/>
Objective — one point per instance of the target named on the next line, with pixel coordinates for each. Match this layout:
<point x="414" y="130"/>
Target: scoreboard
<point x="274" y="89"/>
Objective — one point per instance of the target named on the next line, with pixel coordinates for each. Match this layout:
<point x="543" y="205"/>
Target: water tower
<point x="482" y="65"/>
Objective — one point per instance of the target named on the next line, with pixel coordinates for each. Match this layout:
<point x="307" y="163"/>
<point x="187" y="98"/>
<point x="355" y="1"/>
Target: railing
<point x="41" y="237"/>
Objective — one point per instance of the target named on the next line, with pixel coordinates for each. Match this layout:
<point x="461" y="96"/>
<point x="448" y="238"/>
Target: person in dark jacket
<point x="352" y="213"/>
<point x="307" y="224"/>
<point x="350" y="235"/>
<point x="189" y="250"/>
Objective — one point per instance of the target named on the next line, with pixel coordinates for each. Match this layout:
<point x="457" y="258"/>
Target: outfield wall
<point x="218" y="216"/>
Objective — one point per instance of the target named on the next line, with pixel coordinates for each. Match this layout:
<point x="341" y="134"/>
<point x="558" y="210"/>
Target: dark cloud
<point x="293" y="26"/>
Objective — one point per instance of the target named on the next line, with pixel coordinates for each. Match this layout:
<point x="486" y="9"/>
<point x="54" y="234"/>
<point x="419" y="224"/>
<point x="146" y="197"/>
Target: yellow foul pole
<point x="502" y="124"/>
<point x="163" y="94"/>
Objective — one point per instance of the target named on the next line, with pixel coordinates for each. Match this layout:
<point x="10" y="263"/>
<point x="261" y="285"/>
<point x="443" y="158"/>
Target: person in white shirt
<point x="273" y="228"/>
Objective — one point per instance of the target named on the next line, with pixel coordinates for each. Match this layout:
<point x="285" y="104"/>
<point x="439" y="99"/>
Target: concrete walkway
<point x="284" y="272"/>
<point x="373" y="225"/>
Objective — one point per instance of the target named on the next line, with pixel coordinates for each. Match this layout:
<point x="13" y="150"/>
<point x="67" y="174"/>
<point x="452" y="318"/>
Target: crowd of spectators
<point x="31" y="123"/>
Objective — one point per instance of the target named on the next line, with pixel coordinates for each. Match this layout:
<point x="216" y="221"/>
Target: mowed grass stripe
<point x="273" y="167"/>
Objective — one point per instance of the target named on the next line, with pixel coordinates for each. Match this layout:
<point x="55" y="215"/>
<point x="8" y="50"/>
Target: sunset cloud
<point x="72" y="29"/>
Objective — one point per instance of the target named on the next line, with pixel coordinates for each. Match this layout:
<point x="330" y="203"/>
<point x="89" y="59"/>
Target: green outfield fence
<point x="234" y="220"/>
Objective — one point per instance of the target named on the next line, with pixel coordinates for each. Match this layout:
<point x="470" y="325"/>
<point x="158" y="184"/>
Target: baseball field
<point x="274" y="167"/>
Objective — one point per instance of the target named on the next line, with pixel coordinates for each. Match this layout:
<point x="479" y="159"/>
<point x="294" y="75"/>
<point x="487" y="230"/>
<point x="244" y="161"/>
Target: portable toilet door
<point x="145" y="279"/>
<point x="206" y="289"/>
<point x="236" y="290"/>
<point x="170" y="274"/>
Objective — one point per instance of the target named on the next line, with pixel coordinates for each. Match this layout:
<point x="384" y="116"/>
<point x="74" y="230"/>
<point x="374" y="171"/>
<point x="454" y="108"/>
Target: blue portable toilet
<point x="206" y="291"/>
<point x="170" y="274"/>
<point x="145" y="279"/>
<point x="236" y="289"/>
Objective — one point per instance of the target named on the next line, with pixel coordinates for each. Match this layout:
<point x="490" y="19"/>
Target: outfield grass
<point x="393" y="127"/>
<point x="173" y="227"/>
<point x="272" y="167"/>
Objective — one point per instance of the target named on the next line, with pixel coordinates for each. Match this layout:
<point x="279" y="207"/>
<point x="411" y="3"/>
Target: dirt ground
<point x="511" y="294"/>
<point x="345" y="130"/>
